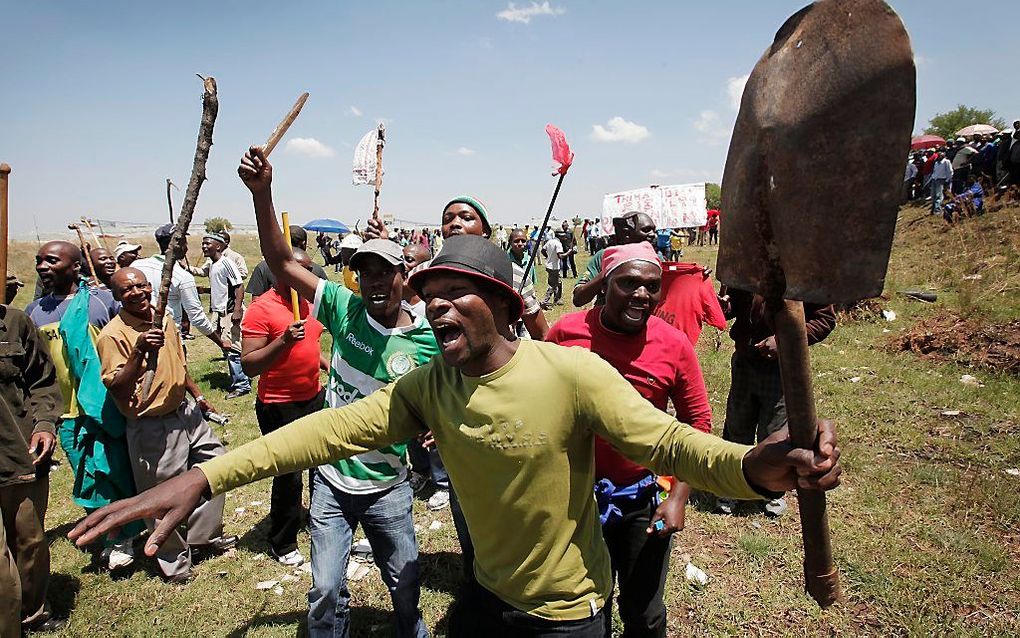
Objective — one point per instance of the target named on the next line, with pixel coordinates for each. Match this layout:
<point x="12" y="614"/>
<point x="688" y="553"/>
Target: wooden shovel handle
<point x="821" y="579"/>
<point x="5" y="172"/>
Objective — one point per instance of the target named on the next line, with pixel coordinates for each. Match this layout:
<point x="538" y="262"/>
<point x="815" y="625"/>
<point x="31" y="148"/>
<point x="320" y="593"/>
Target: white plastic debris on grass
<point x="278" y="590"/>
<point x="256" y="503"/>
<point x="855" y="379"/>
<point x="971" y="381"/>
<point x="695" y="575"/>
<point x="951" y="413"/>
<point x="240" y="510"/>
<point x="435" y="525"/>
<point x="266" y="585"/>
<point x="890" y="315"/>
<point x="1013" y="471"/>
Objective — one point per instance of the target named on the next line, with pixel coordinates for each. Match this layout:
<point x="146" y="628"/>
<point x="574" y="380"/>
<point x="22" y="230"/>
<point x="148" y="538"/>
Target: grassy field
<point x="924" y="526"/>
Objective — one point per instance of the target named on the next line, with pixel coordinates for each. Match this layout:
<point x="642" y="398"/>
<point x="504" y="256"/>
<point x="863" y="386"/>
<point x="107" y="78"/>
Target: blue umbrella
<point x="327" y="225"/>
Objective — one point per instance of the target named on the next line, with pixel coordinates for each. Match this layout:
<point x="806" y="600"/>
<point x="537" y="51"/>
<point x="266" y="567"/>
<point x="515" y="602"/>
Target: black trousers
<point x="640" y="563"/>
<point x="568" y="262"/>
<point x="285" y="500"/>
<point x="479" y="612"/>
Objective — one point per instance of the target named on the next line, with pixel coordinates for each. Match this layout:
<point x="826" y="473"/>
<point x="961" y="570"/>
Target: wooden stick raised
<point x="380" y="141"/>
<point x="210" y="107"/>
<point x="281" y="128"/>
<point x="88" y="253"/>
<point x="293" y="293"/>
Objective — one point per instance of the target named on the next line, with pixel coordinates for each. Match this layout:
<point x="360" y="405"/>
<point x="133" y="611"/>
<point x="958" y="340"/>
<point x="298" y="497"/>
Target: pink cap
<point x="616" y="256"/>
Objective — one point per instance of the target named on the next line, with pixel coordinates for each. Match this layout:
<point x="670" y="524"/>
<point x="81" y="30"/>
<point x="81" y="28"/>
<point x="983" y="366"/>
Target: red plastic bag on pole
<point x="560" y="149"/>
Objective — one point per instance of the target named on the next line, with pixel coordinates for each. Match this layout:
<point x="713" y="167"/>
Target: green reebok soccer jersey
<point x="367" y="356"/>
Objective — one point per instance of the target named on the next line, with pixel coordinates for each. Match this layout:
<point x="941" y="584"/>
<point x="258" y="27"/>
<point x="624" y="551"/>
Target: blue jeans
<point x="239" y="381"/>
<point x="386" y="517"/>
<point x="938" y="186"/>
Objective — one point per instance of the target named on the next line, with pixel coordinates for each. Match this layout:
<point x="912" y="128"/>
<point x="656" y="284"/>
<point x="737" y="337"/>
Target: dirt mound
<point x="949" y="337"/>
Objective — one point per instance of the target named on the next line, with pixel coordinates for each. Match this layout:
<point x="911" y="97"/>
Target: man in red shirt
<point x="713" y="227"/>
<point x="659" y="361"/>
<point x="286" y="354"/>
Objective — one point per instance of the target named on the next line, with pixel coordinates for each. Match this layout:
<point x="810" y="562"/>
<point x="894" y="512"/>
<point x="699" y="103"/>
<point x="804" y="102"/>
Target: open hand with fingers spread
<point x="171" y="502"/>
<point x="777" y="465"/>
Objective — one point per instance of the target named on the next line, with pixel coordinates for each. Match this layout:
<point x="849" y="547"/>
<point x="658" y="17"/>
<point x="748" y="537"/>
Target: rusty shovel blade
<point x="814" y="173"/>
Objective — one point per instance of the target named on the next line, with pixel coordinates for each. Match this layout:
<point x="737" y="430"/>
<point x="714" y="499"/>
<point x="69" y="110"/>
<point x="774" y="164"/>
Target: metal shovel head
<point x="814" y="173"/>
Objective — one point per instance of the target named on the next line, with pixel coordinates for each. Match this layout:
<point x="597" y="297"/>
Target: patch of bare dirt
<point x="948" y="337"/>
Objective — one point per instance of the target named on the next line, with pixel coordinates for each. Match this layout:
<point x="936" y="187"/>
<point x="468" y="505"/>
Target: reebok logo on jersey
<point x="364" y="347"/>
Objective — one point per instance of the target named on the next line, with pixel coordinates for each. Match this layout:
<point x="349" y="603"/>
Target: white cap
<point x="351" y="241"/>
<point x="124" y="247"/>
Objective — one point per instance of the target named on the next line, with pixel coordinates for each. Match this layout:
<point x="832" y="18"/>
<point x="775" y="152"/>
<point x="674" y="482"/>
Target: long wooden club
<point x="210" y="107"/>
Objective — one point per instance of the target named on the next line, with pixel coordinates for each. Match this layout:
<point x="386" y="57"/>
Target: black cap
<point x="478" y="258"/>
<point x="165" y="232"/>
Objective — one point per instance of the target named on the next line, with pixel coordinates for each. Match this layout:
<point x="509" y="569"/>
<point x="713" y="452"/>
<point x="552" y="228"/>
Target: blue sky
<point x="101" y="102"/>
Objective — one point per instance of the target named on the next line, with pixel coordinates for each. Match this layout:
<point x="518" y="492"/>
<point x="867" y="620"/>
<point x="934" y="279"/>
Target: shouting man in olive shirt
<point x="522" y="468"/>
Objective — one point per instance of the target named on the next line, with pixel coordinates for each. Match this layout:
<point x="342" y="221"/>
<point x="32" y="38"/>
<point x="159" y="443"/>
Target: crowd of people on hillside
<point x="443" y="369"/>
<point x="959" y="176"/>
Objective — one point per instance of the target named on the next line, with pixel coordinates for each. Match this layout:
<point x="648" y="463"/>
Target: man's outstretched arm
<point x="257" y="174"/>
<point x="384" y="417"/>
<point x="655" y="440"/>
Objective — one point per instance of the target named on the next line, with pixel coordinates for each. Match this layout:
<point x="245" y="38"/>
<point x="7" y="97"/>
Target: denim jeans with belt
<point x="386" y="518"/>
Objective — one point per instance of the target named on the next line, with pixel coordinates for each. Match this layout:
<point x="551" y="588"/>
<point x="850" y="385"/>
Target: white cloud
<point x="707" y="121"/>
<point x="355" y="111"/>
<point x="513" y="13"/>
<point x="713" y="130"/>
<point x="618" y="129"/>
<point x="735" y="90"/>
<point x="309" y="147"/>
<point x="465" y="151"/>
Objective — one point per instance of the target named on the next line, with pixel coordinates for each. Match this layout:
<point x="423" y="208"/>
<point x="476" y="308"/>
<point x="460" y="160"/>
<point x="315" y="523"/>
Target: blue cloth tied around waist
<point x="609" y="496"/>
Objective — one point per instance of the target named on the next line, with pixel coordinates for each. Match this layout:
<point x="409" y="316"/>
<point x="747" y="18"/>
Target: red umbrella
<point x="926" y="141"/>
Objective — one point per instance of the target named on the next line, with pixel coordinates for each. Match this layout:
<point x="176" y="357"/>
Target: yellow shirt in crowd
<point x="518" y="445"/>
<point x="115" y="345"/>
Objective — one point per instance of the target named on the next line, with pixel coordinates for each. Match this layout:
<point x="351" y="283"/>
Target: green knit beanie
<point x="475" y="204"/>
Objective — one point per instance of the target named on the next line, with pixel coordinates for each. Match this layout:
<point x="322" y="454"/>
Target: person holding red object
<point x="659" y="361"/>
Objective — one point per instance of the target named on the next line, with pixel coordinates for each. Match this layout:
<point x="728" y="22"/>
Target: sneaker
<point x="418" y="482"/>
<point x="47" y="626"/>
<point x="725" y="505"/>
<point x="180" y="579"/>
<point x="439" y="500"/>
<point x="237" y="393"/>
<point x="222" y="543"/>
<point x="775" y="508"/>
<point x="120" y="555"/>
<point x="214" y="547"/>
<point x="290" y="559"/>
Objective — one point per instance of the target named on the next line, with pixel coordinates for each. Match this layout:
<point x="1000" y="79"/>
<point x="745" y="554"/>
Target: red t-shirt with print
<point x="659" y="362"/>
